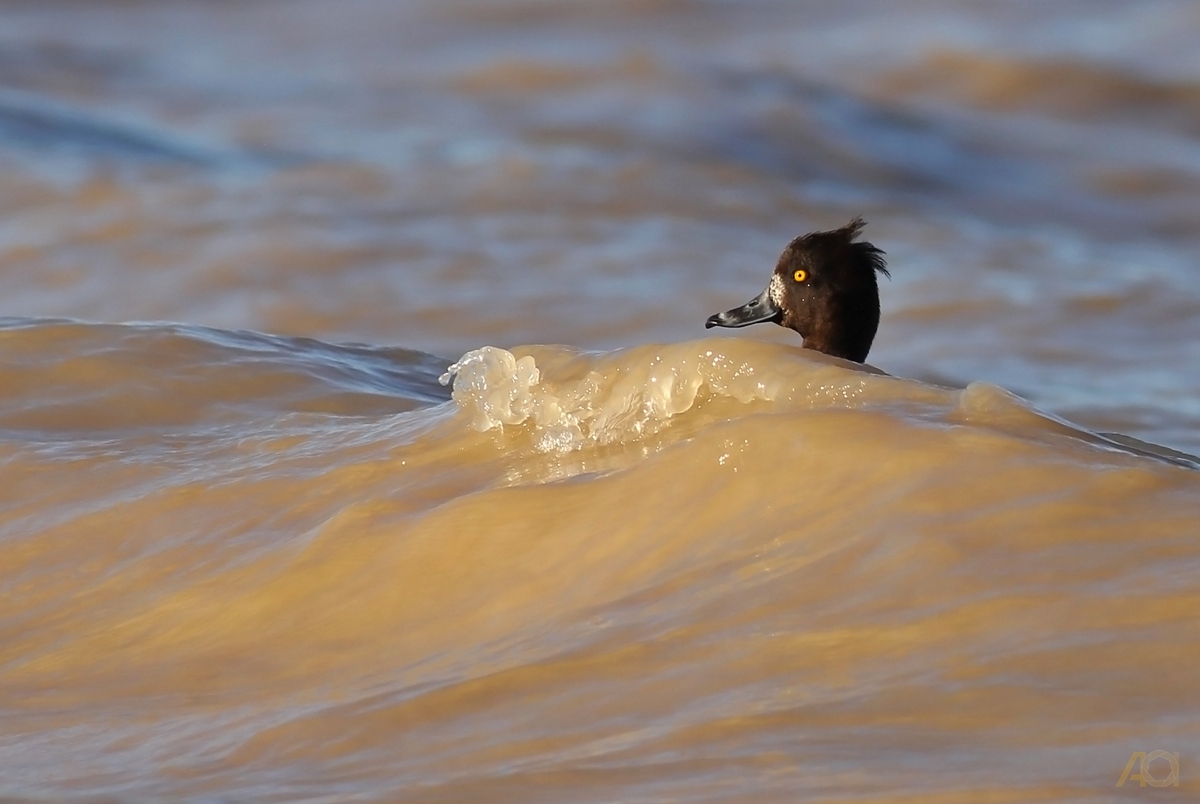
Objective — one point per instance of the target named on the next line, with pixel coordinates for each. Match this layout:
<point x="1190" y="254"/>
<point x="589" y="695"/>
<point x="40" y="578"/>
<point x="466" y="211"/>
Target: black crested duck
<point x="824" y="288"/>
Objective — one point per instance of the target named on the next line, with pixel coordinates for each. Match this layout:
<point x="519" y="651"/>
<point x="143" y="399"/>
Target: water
<point x="262" y="542"/>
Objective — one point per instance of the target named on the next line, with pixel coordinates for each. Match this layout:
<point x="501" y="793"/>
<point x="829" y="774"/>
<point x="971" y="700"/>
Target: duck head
<point x="823" y="287"/>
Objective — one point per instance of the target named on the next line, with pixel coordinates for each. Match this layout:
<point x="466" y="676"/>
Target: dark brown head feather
<point x="824" y="288"/>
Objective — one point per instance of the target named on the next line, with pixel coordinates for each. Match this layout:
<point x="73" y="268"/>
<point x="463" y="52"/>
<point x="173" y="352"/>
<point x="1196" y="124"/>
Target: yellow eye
<point x="800" y="275"/>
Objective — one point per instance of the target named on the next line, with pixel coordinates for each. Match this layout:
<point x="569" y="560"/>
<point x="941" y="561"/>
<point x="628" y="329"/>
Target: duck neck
<point x="847" y="332"/>
<point x="845" y="351"/>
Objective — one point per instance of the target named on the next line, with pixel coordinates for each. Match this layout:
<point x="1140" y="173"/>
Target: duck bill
<point x="755" y="311"/>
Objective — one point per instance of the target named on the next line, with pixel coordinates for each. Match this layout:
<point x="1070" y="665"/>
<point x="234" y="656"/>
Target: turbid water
<point x="300" y="502"/>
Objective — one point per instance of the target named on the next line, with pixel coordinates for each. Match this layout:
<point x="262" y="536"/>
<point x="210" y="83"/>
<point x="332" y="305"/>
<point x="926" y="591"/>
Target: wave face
<point x="710" y="570"/>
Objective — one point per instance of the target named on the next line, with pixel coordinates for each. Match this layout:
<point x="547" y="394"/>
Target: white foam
<point x="627" y="401"/>
<point x="571" y="399"/>
<point x="567" y="399"/>
<point x="495" y="387"/>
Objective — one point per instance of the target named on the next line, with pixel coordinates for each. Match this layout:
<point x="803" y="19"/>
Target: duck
<point x="824" y="287"/>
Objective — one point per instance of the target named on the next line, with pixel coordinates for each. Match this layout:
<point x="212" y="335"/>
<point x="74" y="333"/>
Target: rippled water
<point x="263" y="542"/>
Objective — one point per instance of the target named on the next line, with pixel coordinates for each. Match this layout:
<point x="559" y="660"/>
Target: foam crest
<point x="570" y="399"/>
<point x="566" y="399"/>
<point x="496" y="387"/>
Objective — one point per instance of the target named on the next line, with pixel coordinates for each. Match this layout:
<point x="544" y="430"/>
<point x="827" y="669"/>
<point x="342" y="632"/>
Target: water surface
<point x="262" y="542"/>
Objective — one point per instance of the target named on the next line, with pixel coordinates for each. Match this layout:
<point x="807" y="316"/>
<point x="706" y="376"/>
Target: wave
<point x="597" y="568"/>
<point x="1061" y="87"/>
<point x="69" y="376"/>
<point x="42" y="123"/>
<point x="567" y="399"/>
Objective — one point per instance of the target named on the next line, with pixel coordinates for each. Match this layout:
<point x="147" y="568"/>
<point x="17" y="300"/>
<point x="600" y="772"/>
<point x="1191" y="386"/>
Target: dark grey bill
<point x="752" y="312"/>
